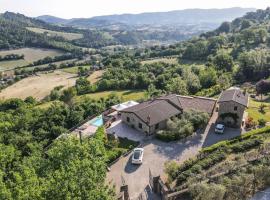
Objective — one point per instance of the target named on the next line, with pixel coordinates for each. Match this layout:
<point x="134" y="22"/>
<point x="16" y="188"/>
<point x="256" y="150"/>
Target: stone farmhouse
<point x="231" y="107"/>
<point x="151" y="116"/>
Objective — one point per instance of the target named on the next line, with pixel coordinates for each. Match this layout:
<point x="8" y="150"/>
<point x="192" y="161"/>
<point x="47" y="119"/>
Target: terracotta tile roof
<point x="234" y="94"/>
<point x="157" y="110"/>
<point x="197" y="103"/>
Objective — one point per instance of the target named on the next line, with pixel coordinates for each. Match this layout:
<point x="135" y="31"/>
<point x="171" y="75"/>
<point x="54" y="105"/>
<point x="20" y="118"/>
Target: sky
<point x="88" y="8"/>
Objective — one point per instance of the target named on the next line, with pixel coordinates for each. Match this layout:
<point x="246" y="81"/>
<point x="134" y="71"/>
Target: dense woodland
<point x="35" y="167"/>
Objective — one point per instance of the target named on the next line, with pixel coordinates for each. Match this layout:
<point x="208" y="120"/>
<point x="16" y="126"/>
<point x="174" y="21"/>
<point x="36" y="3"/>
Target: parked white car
<point x="219" y="128"/>
<point x="137" y="156"/>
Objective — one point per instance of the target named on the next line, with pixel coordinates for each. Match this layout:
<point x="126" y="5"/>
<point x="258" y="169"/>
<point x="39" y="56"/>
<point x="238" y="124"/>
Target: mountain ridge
<point x="187" y="16"/>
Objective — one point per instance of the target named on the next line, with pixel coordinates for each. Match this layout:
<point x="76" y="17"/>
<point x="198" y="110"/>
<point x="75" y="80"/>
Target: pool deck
<point x="88" y="128"/>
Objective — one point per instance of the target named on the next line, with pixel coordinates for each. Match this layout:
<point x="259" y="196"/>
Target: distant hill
<point x="180" y="17"/>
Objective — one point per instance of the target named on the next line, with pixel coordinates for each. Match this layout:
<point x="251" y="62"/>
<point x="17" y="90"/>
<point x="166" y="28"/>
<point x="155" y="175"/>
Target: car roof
<point x="138" y="149"/>
<point x="219" y="125"/>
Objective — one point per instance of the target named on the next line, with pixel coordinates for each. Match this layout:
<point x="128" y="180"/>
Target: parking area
<point x="156" y="153"/>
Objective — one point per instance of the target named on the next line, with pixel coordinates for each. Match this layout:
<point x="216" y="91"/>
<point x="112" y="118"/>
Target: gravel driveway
<point x="156" y="153"/>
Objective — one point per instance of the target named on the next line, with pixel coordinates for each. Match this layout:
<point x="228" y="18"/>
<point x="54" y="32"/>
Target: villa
<point x="150" y="116"/>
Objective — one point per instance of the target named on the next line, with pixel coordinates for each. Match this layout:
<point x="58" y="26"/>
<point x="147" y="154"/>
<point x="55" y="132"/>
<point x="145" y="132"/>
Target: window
<point x="156" y="126"/>
<point x="128" y="120"/>
<point x="140" y="125"/>
<point x="235" y="107"/>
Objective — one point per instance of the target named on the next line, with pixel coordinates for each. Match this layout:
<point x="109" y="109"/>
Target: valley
<point x="78" y="96"/>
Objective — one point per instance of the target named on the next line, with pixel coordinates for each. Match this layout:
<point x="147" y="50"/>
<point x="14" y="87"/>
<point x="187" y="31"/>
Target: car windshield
<point x="137" y="154"/>
<point x="220" y="127"/>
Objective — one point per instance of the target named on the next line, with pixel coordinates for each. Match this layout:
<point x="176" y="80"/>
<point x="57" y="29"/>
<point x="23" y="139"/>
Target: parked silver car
<point x="219" y="128"/>
<point x="137" y="156"/>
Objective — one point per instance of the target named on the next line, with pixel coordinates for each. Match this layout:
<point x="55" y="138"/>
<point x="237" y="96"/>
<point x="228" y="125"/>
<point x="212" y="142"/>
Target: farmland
<point x="165" y="60"/>
<point x="8" y="65"/>
<point x="38" y="86"/>
<point x="30" y="55"/>
<point x="33" y="54"/>
<point x="73" y="70"/>
<point x="95" y="76"/>
<point x="67" y="36"/>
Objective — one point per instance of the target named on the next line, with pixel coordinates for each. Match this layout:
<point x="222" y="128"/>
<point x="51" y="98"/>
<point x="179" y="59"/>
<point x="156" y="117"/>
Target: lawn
<point x="165" y="60"/>
<point x="126" y="95"/>
<point x="67" y="36"/>
<point x="253" y="110"/>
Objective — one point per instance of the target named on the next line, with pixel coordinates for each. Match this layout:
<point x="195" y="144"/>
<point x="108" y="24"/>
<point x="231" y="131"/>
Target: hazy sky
<point x="89" y="8"/>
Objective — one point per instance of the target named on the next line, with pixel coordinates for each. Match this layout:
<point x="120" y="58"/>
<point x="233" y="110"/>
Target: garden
<point x="223" y="164"/>
<point x="183" y="126"/>
<point x="115" y="146"/>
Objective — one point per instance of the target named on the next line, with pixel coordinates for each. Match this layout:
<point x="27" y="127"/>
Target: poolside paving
<point x="122" y="130"/>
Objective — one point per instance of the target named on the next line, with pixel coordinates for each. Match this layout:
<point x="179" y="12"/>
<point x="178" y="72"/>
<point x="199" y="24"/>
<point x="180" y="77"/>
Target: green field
<point x="165" y="60"/>
<point x="8" y="65"/>
<point x="73" y="70"/>
<point x="254" y="112"/>
<point x="33" y="54"/>
<point x="45" y="65"/>
<point x="67" y="36"/>
<point x="126" y="95"/>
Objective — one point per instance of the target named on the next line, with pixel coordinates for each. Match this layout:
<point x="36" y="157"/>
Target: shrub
<point x="245" y="145"/>
<point x="165" y="136"/>
<point x="250" y="123"/>
<point x="262" y="122"/>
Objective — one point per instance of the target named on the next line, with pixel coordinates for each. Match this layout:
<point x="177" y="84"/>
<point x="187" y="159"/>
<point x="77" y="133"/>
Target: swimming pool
<point x="97" y="121"/>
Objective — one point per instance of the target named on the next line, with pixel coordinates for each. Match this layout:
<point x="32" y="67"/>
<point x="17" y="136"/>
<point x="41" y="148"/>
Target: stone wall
<point x="134" y="122"/>
<point x="228" y="107"/>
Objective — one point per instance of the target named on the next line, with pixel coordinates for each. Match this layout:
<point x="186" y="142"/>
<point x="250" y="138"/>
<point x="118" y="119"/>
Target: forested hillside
<point x="34" y="166"/>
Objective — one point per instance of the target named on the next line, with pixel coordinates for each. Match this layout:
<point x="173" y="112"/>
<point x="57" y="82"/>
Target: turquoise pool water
<point x="97" y="121"/>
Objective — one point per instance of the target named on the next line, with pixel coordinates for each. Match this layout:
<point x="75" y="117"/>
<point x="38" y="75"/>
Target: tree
<point x="201" y="191"/>
<point x="152" y="91"/>
<point x="208" y="77"/>
<point x="177" y="85"/>
<point x="223" y="61"/>
<point x="83" y="86"/>
<point x="254" y="64"/>
<point x="68" y="95"/>
<point x="77" y="171"/>
<point x="193" y="81"/>
<point x="225" y="27"/>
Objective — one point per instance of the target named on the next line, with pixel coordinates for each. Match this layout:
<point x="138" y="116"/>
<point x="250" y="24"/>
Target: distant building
<point x="231" y="107"/>
<point x="151" y="116"/>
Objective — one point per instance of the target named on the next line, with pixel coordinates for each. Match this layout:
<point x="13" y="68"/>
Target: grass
<point x="33" y="54"/>
<point x="95" y="76"/>
<point x="45" y="65"/>
<point x="67" y="36"/>
<point x="12" y="64"/>
<point x="126" y="95"/>
<point x="165" y="60"/>
<point x="73" y="70"/>
<point x="253" y="110"/>
<point x="38" y="86"/>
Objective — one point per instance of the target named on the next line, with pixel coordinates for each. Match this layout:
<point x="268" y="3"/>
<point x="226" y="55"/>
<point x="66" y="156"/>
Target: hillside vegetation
<point x="233" y="169"/>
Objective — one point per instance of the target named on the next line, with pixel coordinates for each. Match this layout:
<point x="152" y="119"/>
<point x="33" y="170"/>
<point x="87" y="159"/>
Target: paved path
<point x="156" y="153"/>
